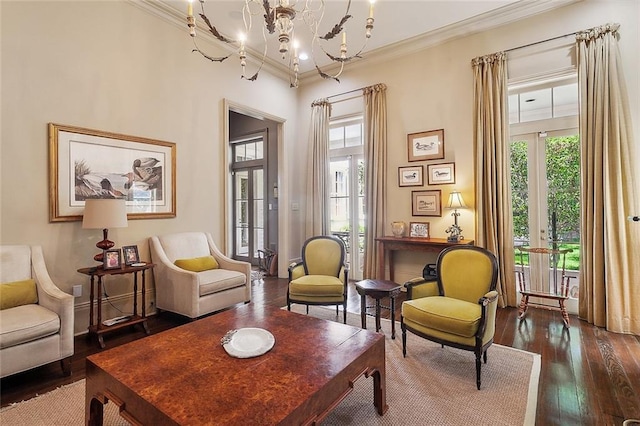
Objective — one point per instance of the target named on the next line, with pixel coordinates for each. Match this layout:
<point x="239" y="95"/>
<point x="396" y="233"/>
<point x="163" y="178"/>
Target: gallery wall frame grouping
<point x="86" y="163"/>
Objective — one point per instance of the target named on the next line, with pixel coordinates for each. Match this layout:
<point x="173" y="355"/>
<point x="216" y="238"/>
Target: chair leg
<point x="344" y="312"/>
<point x="565" y="315"/>
<point x="524" y="302"/>
<point x="484" y="357"/>
<point x="307" y="309"/>
<point x="404" y="338"/>
<point x="478" y="366"/>
<point x="65" y="364"/>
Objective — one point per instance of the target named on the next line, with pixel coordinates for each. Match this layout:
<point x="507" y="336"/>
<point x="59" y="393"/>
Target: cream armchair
<point x="208" y="287"/>
<point x="37" y="329"/>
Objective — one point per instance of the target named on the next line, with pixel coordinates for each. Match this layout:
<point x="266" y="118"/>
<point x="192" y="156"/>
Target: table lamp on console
<point x="104" y="213"/>
<point x="455" y="202"/>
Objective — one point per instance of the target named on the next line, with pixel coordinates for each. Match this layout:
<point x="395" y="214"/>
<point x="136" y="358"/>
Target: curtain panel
<point x="610" y="244"/>
<point x="494" y="226"/>
<point x="317" y="209"/>
<point x="375" y="160"/>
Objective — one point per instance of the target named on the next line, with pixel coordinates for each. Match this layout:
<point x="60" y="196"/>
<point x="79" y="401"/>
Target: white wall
<point x="433" y="89"/>
<point x="111" y="66"/>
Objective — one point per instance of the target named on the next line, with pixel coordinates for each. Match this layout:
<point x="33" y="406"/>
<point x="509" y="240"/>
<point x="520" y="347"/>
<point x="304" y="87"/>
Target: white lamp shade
<point x="104" y="213"/>
<point x="455" y="201"/>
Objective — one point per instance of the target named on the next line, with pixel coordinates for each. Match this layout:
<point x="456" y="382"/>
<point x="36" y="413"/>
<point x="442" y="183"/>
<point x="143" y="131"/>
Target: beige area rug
<point x="432" y="386"/>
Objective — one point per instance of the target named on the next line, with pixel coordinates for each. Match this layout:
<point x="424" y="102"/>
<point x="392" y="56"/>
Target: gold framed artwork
<point x="440" y="174"/>
<point x="419" y="229"/>
<point x="85" y="163"/>
<point x="426" y="145"/>
<point x="410" y="176"/>
<point x="426" y="203"/>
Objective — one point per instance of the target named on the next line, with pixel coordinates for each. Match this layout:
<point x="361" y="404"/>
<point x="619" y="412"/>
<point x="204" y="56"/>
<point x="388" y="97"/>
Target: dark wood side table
<point x="97" y="328"/>
<point x="378" y="289"/>
<point x="387" y="245"/>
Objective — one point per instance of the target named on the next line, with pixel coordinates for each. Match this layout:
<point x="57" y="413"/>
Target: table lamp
<point x="104" y="213"/>
<point x="455" y="202"/>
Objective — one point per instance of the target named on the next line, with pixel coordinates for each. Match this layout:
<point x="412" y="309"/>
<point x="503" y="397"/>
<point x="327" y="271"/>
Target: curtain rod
<point x="540" y="42"/>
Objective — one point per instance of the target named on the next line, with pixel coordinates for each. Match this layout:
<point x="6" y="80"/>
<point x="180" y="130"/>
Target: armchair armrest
<point x="489" y="304"/>
<point x="296" y="270"/>
<point x="419" y="287"/>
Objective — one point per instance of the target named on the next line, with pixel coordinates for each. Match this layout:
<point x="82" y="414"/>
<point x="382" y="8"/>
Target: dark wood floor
<point x="589" y="376"/>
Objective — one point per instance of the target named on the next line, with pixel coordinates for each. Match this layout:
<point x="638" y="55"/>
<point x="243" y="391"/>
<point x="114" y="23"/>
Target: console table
<point x="97" y="328"/>
<point x="391" y="244"/>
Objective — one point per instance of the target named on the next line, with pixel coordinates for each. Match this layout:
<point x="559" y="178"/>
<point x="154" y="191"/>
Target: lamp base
<point x="454" y="238"/>
<point x="105" y="244"/>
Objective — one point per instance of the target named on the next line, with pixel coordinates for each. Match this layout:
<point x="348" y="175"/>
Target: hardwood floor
<point x="589" y="376"/>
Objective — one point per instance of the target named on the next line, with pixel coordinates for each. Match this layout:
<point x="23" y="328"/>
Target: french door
<point x="346" y="203"/>
<point x="545" y="184"/>
<point x="249" y="212"/>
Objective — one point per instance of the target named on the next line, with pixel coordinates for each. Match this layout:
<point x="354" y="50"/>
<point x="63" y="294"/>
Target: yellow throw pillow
<point x="197" y="264"/>
<point x="18" y="293"/>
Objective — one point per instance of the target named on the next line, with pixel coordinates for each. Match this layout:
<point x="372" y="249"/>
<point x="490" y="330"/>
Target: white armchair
<point x="33" y="334"/>
<point x="190" y="293"/>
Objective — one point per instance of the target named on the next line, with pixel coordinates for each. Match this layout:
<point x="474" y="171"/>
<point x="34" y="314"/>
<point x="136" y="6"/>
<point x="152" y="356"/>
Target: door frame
<point x="283" y="197"/>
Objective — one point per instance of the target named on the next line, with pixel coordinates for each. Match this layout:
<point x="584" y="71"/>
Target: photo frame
<point x="419" y="229"/>
<point x="426" y="145"/>
<point x="86" y="163"/>
<point x="130" y="255"/>
<point x="112" y="259"/>
<point x="410" y="176"/>
<point x="426" y="203"/>
<point x="440" y="174"/>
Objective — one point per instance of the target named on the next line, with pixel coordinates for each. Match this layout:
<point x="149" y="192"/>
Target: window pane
<point x="535" y="105"/>
<point x="336" y="138"/>
<point x="353" y="135"/>
<point x="240" y="152"/>
<point x="565" y="100"/>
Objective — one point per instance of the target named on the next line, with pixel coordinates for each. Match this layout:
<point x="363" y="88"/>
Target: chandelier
<point x="280" y="19"/>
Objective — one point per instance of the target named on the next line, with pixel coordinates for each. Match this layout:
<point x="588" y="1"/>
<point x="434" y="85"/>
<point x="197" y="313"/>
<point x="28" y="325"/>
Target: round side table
<point x="378" y="289"/>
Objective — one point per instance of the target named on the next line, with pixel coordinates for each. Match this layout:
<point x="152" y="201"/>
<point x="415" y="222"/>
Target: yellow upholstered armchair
<point x="459" y="308"/>
<point x="321" y="278"/>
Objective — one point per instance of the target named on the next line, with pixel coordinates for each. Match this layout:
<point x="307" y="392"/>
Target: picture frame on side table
<point x="426" y="145"/>
<point x="419" y="229"/>
<point x="440" y="174"/>
<point x="85" y="163"/>
<point x="410" y="176"/>
<point x="130" y="255"/>
<point x="426" y="203"/>
<point x="112" y="259"/>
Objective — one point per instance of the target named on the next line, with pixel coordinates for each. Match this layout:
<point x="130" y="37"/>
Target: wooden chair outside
<point x="553" y="285"/>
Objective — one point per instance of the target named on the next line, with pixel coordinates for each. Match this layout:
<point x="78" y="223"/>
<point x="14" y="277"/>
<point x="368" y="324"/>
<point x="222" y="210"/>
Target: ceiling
<point x="399" y="25"/>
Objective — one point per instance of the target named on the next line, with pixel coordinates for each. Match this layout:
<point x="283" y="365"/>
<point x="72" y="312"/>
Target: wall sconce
<point x="104" y="213"/>
<point x="455" y="202"/>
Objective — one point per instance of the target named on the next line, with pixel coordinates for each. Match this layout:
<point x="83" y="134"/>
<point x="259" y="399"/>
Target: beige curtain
<point x="317" y="222"/>
<point x="375" y="160"/>
<point x="610" y="245"/>
<point x="494" y="226"/>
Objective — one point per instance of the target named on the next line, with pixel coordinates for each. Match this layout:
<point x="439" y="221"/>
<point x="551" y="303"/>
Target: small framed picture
<point x="426" y="203"/>
<point x="130" y="254"/>
<point x="440" y="174"/>
<point x="419" y="229"/>
<point x="410" y="176"/>
<point x="426" y="145"/>
<point x="112" y="259"/>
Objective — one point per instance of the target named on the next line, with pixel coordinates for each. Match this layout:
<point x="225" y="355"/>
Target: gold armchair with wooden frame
<point x="321" y="278"/>
<point x="458" y="309"/>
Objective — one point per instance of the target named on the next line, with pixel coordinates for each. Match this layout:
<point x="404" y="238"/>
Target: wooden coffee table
<point x="378" y="289"/>
<point x="183" y="375"/>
